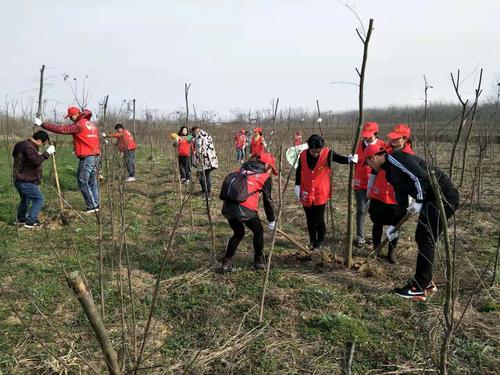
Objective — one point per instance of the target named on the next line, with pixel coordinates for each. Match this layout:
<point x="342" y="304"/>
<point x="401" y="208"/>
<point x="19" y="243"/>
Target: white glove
<point x="106" y="142"/>
<point x="297" y="191"/>
<point x="51" y="149"/>
<point x="353" y="159"/>
<point x="319" y="120"/>
<point x="37" y="122"/>
<point x="390" y="234"/>
<point x="410" y="200"/>
<point x="271" y="225"/>
<point x="414" y="208"/>
<point x="104" y="135"/>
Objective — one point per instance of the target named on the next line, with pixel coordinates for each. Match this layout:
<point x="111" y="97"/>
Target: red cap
<point x="369" y="129"/>
<point x="259" y="130"/>
<point x="242" y="130"/>
<point x="372" y="150"/>
<point x="400" y="130"/>
<point x="72" y="111"/>
<point x="268" y="158"/>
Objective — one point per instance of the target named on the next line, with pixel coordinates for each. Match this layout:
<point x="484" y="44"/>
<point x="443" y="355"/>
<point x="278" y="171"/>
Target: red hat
<point x="369" y="129"/>
<point x="72" y="111"/>
<point x="400" y="130"/>
<point x="259" y="130"/>
<point x="268" y="158"/>
<point x="371" y="150"/>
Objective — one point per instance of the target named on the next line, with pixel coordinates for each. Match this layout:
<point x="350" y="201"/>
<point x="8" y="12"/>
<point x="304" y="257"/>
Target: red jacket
<point x="183" y="147"/>
<point x="240" y="140"/>
<point x="85" y="135"/>
<point x="381" y="189"/>
<point x="362" y="171"/>
<point x="125" y="140"/>
<point x="257" y="146"/>
<point x="315" y="184"/>
<point x="255" y="184"/>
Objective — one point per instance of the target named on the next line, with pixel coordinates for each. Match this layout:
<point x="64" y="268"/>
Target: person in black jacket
<point x="27" y="174"/>
<point x="409" y="176"/>
<point x="259" y="169"/>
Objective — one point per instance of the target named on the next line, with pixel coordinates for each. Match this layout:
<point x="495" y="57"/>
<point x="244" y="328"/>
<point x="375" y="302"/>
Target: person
<point x="87" y="149"/>
<point x="258" y="144"/>
<point x="27" y="175"/>
<point x="297" y="139"/>
<point x="184" y="148"/>
<point x="248" y="138"/>
<point x="241" y="214"/>
<point x="127" y="145"/>
<point x="312" y="184"/>
<point x="204" y="158"/>
<point x="399" y="138"/>
<point x="360" y="182"/>
<point x="409" y="176"/>
<point x="240" y="142"/>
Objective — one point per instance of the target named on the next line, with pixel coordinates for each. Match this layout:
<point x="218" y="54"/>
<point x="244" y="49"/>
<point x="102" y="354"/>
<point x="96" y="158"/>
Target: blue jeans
<point x="129" y="156"/>
<point x="87" y="180"/>
<point x="28" y="191"/>
<point x="240" y="154"/>
<point x="360" y="212"/>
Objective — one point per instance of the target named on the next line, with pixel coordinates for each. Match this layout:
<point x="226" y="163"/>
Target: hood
<point x="86" y="114"/>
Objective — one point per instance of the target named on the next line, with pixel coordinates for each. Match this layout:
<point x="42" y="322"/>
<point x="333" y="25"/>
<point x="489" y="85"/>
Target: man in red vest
<point x="361" y="173"/>
<point x="87" y="149"/>
<point x="127" y="145"/>
<point x="312" y="184"/>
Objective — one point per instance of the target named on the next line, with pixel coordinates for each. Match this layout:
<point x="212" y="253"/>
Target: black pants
<point x="382" y="214"/>
<point x="129" y="156"/>
<point x="429" y="228"/>
<point x="255" y="226"/>
<point x="316" y="226"/>
<point x="208" y="188"/>
<point x="184" y="168"/>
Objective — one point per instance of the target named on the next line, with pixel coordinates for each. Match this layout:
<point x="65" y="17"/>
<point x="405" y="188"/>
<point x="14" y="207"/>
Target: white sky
<point x="243" y="53"/>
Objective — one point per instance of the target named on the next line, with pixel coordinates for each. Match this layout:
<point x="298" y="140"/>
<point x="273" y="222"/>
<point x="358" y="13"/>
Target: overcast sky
<point x="241" y="54"/>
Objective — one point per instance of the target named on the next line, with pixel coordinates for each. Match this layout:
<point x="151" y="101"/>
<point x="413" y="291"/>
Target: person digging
<point x="409" y="176"/>
<point x="240" y="192"/>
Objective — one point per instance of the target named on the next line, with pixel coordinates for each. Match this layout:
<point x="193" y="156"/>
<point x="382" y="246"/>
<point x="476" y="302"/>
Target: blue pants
<point x="240" y="154"/>
<point x="29" y="192"/>
<point x="87" y="180"/>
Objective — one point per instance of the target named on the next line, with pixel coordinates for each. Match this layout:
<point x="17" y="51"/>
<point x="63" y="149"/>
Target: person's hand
<point x="271" y="225"/>
<point x="104" y="135"/>
<point x="353" y="159"/>
<point x="414" y="208"/>
<point x="106" y="142"/>
<point x="37" y="122"/>
<point x="297" y="191"/>
<point x="51" y="149"/>
<point x="391" y="234"/>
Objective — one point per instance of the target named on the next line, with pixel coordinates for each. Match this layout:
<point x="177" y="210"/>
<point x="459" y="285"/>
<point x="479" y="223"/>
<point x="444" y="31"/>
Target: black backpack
<point x="235" y="186"/>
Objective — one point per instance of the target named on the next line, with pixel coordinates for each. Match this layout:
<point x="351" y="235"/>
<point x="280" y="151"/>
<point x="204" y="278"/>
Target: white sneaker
<point x="92" y="210"/>
<point x="130" y="179"/>
<point x="360" y="241"/>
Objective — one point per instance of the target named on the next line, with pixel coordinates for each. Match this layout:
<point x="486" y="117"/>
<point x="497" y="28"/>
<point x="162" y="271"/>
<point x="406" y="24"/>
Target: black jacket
<point x="28" y="161"/>
<point x="408" y="176"/>
<point x="234" y="210"/>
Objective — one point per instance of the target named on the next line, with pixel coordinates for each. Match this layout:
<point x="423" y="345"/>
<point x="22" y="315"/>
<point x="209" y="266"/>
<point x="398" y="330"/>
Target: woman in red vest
<point x="312" y="184"/>
<point x="361" y="173"/>
<point x="127" y="145"/>
<point x="258" y="144"/>
<point x="184" y="149"/>
<point x="241" y="214"/>
<point x="297" y="140"/>
<point x="383" y="207"/>
<point x="87" y="149"/>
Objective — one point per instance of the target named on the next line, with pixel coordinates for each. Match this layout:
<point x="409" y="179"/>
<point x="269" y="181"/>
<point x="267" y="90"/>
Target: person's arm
<point x="61" y="129"/>
<point x="116" y="135"/>
<point x="297" y="173"/>
<point x="407" y="165"/>
<point x="337" y="158"/>
<point x="268" y="201"/>
<point x="34" y="157"/>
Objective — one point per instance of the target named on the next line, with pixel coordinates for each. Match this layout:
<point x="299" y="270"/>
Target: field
<point x="316" y="314"/>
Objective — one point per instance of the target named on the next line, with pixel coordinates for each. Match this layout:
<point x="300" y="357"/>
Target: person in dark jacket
<point x="241" y="214"/>
<point x="312" y="184"/>
<point x="409" y="176"/>
<point x="27" y="175"/>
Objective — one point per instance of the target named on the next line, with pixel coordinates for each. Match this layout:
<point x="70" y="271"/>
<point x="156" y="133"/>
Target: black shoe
<point x="227" y="266"/>
<point x="412" y="291"/>
<point x="259" y="263"/>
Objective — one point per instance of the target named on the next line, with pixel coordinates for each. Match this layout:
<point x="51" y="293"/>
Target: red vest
<point x="239" y="140"/>
<point x="315" y="184"/>
<point x="381" y="189"/>
<point x="362" y="171"/>
<point x="128" y="140"/>
<point x="183" y="147"/>
<point x="256" y="147"/>
<point x="255" y="184"/>
<point x="86" y="141"/>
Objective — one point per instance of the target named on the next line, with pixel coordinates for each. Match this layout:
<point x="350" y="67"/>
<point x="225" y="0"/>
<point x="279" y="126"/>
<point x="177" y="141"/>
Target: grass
<point x="312" y="314"/>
